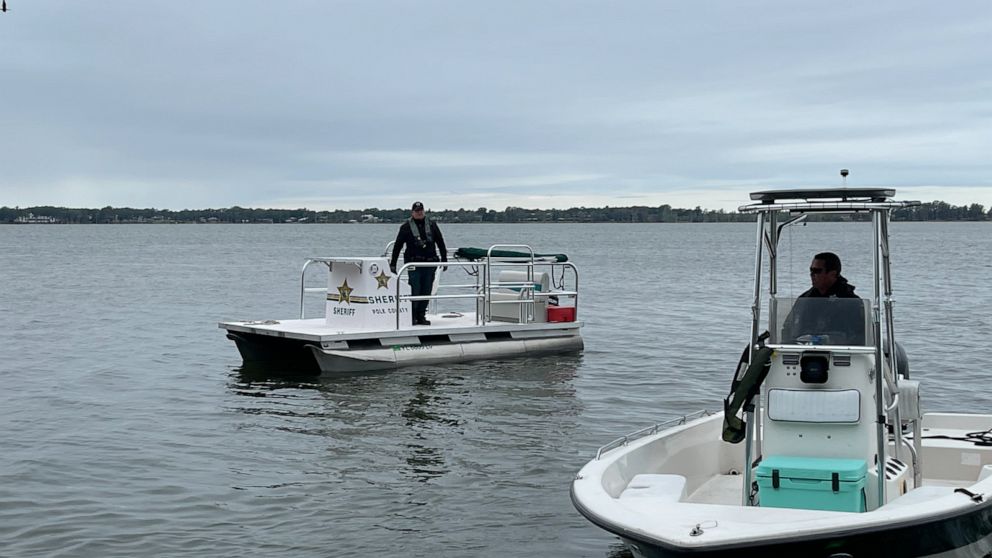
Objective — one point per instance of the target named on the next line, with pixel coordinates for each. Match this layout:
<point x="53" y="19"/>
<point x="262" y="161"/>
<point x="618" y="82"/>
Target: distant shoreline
<point x="163" y="223"/>
<point x="50" y="215"/>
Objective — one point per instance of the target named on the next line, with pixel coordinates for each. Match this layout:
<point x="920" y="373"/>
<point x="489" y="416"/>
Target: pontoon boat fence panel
<point x="487" y="284"/>
<point x="531" y="285"/>
<point x="483" y="292"/>
<point x="403" y="298"/>
<point x="328" y="262"/>
<point x="529" y="294"/>
<point x="484" y="295"/>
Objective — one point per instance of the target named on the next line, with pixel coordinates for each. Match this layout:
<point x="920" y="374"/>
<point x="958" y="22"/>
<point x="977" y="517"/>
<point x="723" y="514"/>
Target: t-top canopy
<point x="825" y="200"/>
<point x="845" y="194"/>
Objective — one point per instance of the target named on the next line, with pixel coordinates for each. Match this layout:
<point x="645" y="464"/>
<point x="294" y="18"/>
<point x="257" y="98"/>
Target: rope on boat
<point x="983" y="438"/>
<point x="560" y="285"/>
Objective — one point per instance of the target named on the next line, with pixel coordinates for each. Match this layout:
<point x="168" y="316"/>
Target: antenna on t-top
<point x="843" y="175"/>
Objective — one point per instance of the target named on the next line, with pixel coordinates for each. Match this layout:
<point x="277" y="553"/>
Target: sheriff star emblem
<point x="383" y="280"/>
<point x="344" y="293"/>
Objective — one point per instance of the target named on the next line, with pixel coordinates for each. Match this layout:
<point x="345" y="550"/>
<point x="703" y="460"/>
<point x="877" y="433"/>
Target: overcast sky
<point x="465" y="104"/>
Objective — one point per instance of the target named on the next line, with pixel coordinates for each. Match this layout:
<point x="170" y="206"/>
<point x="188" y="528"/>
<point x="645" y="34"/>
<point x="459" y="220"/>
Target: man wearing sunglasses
<point x="824" y="274"/>
<point x="826" y="322"/>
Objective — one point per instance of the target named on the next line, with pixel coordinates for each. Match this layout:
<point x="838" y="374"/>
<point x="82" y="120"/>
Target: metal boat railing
<point x="304" y="289"/>
<point x="400" y="298"/>
<point x="528" y="295"/>
<point x="482" y="289"/>
<point x="651" y="430"/>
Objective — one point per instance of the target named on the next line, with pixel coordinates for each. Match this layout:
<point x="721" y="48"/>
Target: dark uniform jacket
<point x="423" y="250"/>
<point x="840" y="289"/>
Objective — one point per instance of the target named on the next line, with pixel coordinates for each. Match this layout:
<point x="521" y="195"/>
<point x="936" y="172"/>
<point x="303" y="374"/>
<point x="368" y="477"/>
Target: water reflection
<point x="334" y="406"/>
<point x="427" y="408"/>
<point x="425" y="462"/>
<point x="555" y="372"/>
<point x="427" y="399"/>
<point x="257" y="382"/>
<point x="485" y="431"/>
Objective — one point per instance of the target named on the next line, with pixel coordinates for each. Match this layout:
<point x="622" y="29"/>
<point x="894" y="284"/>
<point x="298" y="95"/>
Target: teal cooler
<point x="812" y="483"/>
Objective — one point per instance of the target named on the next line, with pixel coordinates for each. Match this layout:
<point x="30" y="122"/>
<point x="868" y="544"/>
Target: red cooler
<point x="561" y="313"/>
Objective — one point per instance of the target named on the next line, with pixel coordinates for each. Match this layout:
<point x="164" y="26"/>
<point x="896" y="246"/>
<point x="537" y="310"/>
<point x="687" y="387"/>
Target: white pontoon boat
<point x="821" y="449"/>
<point x="519" y="303"/>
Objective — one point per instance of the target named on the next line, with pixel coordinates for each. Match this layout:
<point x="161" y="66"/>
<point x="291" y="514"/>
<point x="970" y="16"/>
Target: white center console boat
<point x="822" y="449"/>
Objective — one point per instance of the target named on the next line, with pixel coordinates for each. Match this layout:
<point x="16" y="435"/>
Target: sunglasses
<point x="816" y="270"/>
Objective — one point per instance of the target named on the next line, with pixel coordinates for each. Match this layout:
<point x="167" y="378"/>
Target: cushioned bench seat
<point x="509" y="307"/>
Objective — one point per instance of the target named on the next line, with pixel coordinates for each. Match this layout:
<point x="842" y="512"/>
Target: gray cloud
<point x="536" y="104"/>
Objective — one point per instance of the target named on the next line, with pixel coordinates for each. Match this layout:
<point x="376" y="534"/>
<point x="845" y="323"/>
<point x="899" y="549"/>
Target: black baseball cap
<point x="417" y="206"/>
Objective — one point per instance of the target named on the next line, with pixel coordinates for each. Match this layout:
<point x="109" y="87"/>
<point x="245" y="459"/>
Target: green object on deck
<point x="812" y="483"/>
<point x="473" y="254"/>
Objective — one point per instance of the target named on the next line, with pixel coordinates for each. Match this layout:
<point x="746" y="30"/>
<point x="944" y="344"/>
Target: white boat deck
<point x="720" y="489"/>
<point x="951" y="458"/>
<point x="945" y="457"/>
<point x="725" y="490"/>
<point x="451" y="324"/>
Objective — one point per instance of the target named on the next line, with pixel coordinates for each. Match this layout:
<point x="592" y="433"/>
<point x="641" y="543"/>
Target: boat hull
<point x="360" y="360"/>
<point x="960" y="535"/>
<point x="265" y="351"/>
<point x="307" y="356"/>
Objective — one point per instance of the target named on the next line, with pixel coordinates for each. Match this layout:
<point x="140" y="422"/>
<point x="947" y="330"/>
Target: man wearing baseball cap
<point x="423" y="240"/>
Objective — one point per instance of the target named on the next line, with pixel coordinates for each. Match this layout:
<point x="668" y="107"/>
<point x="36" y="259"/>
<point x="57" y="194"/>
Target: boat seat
<point x="814" y="406"/>
<point x="667" y="488"/>
<point x="511" y="312"/>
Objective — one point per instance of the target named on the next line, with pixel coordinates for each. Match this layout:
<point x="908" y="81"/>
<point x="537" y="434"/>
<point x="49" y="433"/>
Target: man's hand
<point x="392" y="267"/>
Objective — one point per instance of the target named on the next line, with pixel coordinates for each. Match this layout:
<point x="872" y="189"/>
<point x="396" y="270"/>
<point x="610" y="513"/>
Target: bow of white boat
<point x="680" y="488"/>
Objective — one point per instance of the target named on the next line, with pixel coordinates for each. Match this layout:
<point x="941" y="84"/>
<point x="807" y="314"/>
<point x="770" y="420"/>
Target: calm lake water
<point x="128" y="427"/>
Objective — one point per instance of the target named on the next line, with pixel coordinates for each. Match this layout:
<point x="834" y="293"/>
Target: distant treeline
<point x="930" y="211"/>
